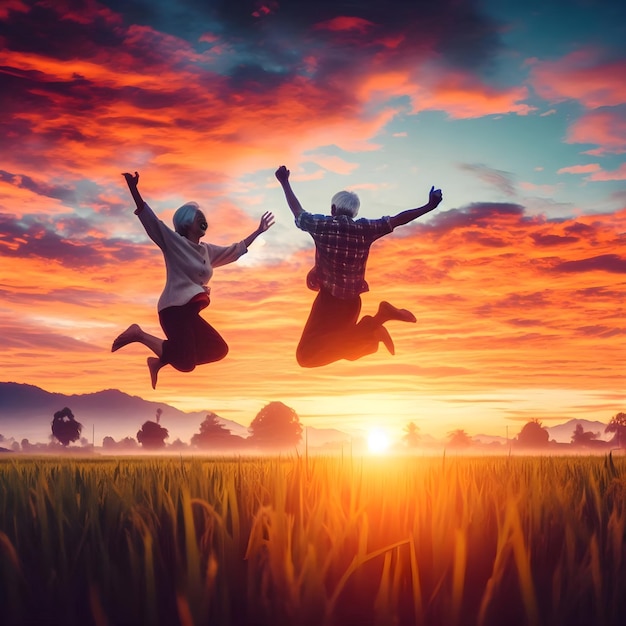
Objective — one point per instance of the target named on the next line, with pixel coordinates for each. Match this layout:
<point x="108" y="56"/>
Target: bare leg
<point x="134" y="334"/>
<point x="382" y="334"/>
<point x="387" y="312"/>
<point x="154" y="365"/>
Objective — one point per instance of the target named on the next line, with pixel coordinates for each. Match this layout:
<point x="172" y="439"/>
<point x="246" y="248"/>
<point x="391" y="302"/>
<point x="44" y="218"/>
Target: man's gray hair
<point x="346" y="203"/>
<point x="184" y="217"/>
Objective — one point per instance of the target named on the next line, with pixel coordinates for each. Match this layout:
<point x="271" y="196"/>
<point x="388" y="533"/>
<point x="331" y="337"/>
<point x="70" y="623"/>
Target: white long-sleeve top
<point x="189" y="266"/>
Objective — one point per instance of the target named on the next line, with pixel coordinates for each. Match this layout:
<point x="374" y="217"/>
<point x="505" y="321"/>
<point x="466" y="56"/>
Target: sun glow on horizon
<point x="378" y="441"/>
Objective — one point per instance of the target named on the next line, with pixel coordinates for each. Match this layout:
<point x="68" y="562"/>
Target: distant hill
<point x="26" y="412"/>
<point x="488" y="439"/>
<point x="563" y="432"/>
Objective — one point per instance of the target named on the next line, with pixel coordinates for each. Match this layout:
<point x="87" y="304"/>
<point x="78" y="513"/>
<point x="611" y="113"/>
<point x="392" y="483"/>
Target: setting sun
<point x="378" y="441"/>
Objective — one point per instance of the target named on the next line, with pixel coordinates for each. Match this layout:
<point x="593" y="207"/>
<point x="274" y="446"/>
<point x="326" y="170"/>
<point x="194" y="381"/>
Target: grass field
<point x="447" y="541"/>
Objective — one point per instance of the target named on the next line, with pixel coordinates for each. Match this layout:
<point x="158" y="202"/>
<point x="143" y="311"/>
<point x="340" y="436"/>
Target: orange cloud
<point x="503" y="301"/>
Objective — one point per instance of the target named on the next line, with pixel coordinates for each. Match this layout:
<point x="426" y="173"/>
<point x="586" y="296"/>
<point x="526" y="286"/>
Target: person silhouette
<point x="342" y="244"/>
<point x="190" y="340"/>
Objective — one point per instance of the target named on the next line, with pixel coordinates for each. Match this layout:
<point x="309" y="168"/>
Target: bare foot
<point x="131" y="334"/>
<point x="382" y="334"/>
<point x="154" y="365"/>
<point x="387" y="311"/>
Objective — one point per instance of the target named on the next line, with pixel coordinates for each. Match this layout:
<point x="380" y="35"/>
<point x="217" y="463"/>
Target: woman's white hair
<point x="346" y="203"/>
<point x="184" y="217"/>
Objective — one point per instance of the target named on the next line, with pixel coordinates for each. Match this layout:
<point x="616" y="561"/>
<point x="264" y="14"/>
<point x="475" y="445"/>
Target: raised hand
<point x="131" y="180"/>
<point x="434" y="197"/>
<point x="267" y="220"/>
<point x="282" y="174"/>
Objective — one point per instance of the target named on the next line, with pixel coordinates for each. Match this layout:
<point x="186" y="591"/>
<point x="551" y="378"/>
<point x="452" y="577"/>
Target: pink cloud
<point x="580" y="169"/>
<point x="334" y="164"/>
<point x="464" y="96"/>
<point x="618" y="174"/>
<point x="345" y="23"/>
<point x="582" y="75"/>
<point x="265" y="8"/>
<point x="605" y="128"/>
<point x="545" y="190"/>
<point x="460" y="95"/>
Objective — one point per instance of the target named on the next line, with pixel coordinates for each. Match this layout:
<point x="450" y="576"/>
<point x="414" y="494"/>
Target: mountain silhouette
<point x="26" y="412"/>
<point x="563" y="432"/>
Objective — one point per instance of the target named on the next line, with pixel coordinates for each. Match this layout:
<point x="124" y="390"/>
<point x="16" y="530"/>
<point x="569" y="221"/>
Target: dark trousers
<point x="191" y="340"/>
<point x="332" y="332"/>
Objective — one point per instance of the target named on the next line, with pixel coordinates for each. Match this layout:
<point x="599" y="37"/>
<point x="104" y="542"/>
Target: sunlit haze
<point x="517" y="280"/>
<point x="378" y="441"/>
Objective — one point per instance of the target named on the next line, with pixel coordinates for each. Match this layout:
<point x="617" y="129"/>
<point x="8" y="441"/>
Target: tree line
<point x="277" y="426"/>
<point x="534" y="435"/>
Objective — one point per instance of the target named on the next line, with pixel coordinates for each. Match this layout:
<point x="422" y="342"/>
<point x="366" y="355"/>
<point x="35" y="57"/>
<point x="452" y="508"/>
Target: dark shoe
<point x="387" y="311"/>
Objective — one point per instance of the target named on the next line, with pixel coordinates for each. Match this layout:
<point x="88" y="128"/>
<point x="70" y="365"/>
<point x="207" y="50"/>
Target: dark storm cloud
<point x="465" y="36"/>
<point x="58" y="30"/>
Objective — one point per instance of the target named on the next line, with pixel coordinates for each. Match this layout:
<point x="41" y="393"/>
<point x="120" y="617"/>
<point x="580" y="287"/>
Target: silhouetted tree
<point x="214" y="434"/>
<point x="580" y="437"/>
<point x="152" y="435"/>
<point x="411" y="435"/>
<point x="617" y="425"/>
<point x="533" y="435"/>
<point x="178" y="444"/>
<point x="128" y="443"/>
<point x="65" y="428"/>
<point x="276" y="425"/>
<point x="459" y="439"/>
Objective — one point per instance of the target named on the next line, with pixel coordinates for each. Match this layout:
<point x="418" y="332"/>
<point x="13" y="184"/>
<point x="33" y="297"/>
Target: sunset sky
<point x="518" y="280"/>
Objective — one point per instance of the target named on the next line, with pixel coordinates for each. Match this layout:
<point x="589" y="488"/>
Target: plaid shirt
<point x="342" y="246"/>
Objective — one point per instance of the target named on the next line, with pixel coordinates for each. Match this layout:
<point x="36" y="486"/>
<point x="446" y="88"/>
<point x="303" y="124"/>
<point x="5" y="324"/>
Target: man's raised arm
<point x="282" y="174"/>
<point x="434" y="199"/>
<point x="132" y="182"/>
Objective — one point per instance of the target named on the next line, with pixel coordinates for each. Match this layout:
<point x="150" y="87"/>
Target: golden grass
<point x="319" y="541"/>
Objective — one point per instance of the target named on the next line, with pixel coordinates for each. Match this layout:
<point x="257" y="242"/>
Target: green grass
<point x="454" y="541"/>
